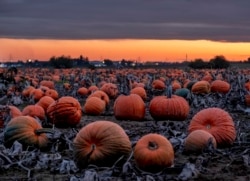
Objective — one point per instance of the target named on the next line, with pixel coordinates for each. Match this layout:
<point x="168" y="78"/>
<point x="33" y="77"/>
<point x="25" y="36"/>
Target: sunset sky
<point x="142" y="30"/>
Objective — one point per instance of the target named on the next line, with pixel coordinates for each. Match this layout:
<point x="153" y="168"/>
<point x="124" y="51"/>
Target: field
<point x="57" y="161"/>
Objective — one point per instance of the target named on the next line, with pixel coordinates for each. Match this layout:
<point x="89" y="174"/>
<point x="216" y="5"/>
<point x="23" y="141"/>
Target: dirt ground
<point x="227" y="164"/>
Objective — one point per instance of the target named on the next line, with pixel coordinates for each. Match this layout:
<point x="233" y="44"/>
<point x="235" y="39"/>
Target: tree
<point x="197" y="64"/>
<point x="219" y="62"/>
<point x="61" y="62"/>
<point x="108" y="62"/>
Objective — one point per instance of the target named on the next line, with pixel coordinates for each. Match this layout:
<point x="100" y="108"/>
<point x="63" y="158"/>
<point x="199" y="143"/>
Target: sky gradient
<point x="166" y="30"/>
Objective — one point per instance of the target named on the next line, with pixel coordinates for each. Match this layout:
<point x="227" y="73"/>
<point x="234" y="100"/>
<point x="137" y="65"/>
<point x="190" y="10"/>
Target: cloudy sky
<point x="222" y="20"/>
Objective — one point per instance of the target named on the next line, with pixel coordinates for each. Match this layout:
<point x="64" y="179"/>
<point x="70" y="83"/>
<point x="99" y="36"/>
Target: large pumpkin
<point x="101" y="143"/>
<point x="27" y="131"/>
<point x="217" y="122"/>
<point x="198" y="140"/>
<point x="172" y="108"/>
<point x="100" y="94"/>
<point x="153" y="152"/>
<point x="110" y="89"/>
<point x="139" y="91"/>
<point x="65" y="112"/>
<point x="45" y="101"/>
<point x="129" y="107"/>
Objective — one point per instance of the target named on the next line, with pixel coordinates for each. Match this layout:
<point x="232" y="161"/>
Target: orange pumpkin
<point x="82" y="91"/>
<point x="173" y="108"/>
<point x="36" y="94"/>
<point x="129" y="107"/>
<point x="217" y="122"/>
<point x="94" y="106"/>
<point x="158" y="84"/>
<point x="198" y="140"/>
<point x="52" y="93"/>
<point x="100" y="94"/>
<point x="34" y="111"/>
<point x="14" y="111"/>
<point x="201" y="87"/>
<point x="48" y="83"/>
<point x="139" y="91"/>
<point x="92" y="89"/>
<point x="27" y="131"/>
<point x="27" y="90"/>
<point x="153" y="152"/>
<point x="110" y="89"/>
<point x="65" y="112"/>
<point x="220" y="86"/>
<point x="101" y="143"/>
<point x="45" y="101"/>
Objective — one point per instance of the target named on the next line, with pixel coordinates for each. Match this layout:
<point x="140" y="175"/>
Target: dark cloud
<point x="222" y="20"/>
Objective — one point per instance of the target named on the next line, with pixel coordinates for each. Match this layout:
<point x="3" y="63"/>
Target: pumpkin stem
<point x="44" y="130"/>
<point x="152" y="145"/>
<point x="169" y="91"/>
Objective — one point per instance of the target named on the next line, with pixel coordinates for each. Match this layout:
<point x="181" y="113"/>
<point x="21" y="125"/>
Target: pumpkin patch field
<point x="125" y="124"/>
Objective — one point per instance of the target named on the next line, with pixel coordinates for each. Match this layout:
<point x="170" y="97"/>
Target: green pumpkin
<point x="183" y="92"/>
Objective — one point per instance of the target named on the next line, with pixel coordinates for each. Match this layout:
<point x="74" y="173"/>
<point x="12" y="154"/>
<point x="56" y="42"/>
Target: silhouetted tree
<point x="61" y="62"/>
<point x="108" y="62"/>
<point x="197" y="64"/>
<point x="219" y="62"/>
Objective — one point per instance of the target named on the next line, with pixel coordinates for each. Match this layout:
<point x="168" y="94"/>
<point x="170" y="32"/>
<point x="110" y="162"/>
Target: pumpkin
<point x="101" y="143"/>
<point x="189" y="85"/>
<point x="27" y="131"/>
<point x="139" y="91"/>
<point x="92" y="89"/>
<point x="198" y="140"/>
<point x="217" y="122"/>
<point x="100" y="94"/>
<point x="153" y="152"/>
<point x="14" y="111"/>
<point x="110" y="89"/>
<point x="201" y="87"/>
<point x="36" y="94"/>
<point x="171" y="107"/>
<point x="65" y="112"/>
<point x="82" y="91"/>
<point x="176" y="85"/>
<point x="94" y="106"/>
<point x="52" y="93"/>
<point x="129" y="107"/>
<point x="34" y="111"/>
<point x="48" y="83"/>
<point x="158" y="84"/>
<point x="220" y="86"/>
<point x="247" y="100"/>
<point x="182" y="92"/>
<point x="45" y="101"/>
<point x="27" y="90"/>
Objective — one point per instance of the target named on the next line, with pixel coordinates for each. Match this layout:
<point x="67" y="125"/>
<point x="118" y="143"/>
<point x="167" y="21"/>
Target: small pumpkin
<point x="36" y="94"/>
<point x="110" y="89"/>
<point x="183" y="92"/>
<point x="48" y="83"/>
<point x="129" y="107"/>
<point x="158" y="84"/>
<point x="94" y="106"/>
<point x="198" y="140"/>
<point x="65" y="112"/>
<point x="27" y="131"/>
<point x="220" y="86"/>
<point x="217" y="122"/>
<point x="82" y="91"/>
<point x="14" y="111"/>
<point x="52" y="93"/>
<point x="100" y="94"/>
<point x="153" y="152"/>
<point x="45" y="101"/>
<point x="34" y="111"/>
<point x="101" y="143"/>
<point x="139" y="91"/>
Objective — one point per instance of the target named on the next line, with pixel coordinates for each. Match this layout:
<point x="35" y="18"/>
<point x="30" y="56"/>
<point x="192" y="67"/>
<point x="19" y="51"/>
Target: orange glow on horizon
<point x="129" y="49"/>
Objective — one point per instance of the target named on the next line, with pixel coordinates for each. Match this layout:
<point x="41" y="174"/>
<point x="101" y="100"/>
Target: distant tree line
<point x="218" y="62"/>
